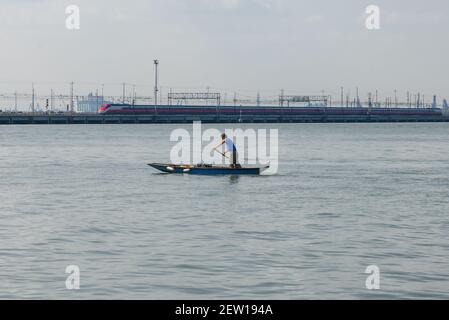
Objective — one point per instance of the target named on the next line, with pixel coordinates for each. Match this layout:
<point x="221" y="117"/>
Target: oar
<point x="221" y="153"/>
<point x="246" y="159"/>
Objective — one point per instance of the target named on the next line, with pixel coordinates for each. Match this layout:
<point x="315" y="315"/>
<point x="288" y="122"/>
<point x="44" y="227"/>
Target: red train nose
<point x="104" y="108"/>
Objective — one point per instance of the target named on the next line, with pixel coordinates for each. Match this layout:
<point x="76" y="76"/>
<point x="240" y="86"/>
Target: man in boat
<point x="230" y="149"/>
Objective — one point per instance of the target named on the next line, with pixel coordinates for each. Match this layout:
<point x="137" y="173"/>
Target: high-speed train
<point x="127" y="109"/>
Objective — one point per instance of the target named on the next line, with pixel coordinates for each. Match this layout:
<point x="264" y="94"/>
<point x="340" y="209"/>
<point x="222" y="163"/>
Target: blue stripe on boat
<point x="206" y="170"/>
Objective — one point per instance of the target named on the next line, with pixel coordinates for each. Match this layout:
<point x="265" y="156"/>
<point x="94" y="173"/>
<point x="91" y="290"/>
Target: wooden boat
<point x="206" y="169"/>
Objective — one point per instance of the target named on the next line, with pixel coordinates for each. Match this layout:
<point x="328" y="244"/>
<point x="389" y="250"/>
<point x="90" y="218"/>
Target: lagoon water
<point x="347" y="196"/>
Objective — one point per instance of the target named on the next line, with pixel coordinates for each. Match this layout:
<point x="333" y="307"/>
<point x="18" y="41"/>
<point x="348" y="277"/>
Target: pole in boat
<point x="224" y="155"/>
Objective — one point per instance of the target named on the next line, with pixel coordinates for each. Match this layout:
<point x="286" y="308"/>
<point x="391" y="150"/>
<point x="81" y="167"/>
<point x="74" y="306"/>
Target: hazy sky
<point x="243" y="45"/>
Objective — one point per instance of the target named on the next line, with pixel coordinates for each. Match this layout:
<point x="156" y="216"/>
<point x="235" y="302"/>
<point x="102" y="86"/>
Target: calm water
<point x="347" y="196"/>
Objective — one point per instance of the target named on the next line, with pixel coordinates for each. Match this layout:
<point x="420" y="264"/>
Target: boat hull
<point x="205" y="170"/>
